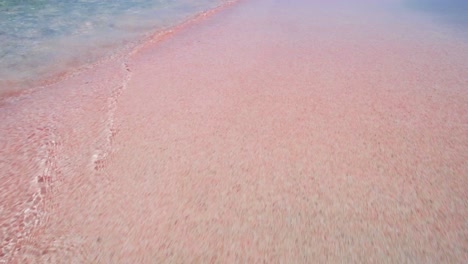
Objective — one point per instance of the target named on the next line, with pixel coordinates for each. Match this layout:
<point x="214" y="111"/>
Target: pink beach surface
<point x="261" y="132"/>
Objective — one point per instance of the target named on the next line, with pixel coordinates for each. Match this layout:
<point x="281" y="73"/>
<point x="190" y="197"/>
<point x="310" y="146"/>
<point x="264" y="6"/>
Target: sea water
<point x="39" y="38"/>
<point x="453" y="13"/>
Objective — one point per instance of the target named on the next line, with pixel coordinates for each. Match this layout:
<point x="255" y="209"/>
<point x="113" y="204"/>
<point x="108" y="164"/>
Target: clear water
<point x="41" y="37"/>
<point x="453" y="13"/>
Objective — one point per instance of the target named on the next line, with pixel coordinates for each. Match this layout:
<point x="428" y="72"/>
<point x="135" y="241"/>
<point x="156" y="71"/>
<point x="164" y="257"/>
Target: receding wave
<point x="42" y="38"/>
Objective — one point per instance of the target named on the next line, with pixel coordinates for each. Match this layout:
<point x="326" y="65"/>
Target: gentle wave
<point x="41" y="38"/>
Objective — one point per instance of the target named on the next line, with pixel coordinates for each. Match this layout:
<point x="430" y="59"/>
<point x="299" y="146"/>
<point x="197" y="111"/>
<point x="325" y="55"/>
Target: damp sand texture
<point x="298" y="132"/>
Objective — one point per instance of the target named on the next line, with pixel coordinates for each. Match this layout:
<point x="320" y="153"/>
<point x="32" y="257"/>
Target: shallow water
<point x="272" y="131"/>
<point x="451" y="12"/>
<point x="42" y="38"/>
<point x="45" y="37"/>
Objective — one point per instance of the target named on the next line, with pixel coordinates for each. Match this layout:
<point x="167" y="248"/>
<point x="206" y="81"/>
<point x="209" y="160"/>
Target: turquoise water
<point x="41" y="37"/>
<point x="451" y="12"/>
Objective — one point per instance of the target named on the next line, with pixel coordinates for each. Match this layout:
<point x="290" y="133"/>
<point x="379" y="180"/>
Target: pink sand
<point x="265" y="132"/>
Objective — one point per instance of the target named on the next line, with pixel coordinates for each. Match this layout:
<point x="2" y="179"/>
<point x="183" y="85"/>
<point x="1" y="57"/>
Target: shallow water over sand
<point x="267" y="132"/>
<point x="46" y="37"/>
<point x="453" y="13"/>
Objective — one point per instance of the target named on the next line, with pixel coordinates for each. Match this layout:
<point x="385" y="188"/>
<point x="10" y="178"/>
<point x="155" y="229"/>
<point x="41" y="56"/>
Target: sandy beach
<point x="260" y="132"/>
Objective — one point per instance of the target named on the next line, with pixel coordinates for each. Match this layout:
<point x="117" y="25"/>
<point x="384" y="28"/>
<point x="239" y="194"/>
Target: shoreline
<point x="96" y="85"/>
<point x="269" y="132"/>
<point x="119" y="53"/>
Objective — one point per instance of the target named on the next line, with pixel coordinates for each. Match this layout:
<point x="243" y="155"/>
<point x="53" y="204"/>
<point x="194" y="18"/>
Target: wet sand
<point x="263" y="132"/>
